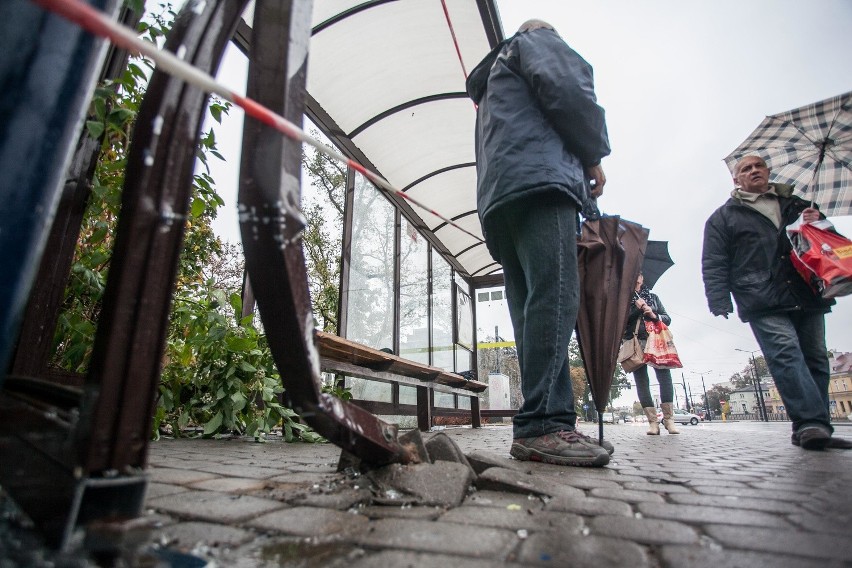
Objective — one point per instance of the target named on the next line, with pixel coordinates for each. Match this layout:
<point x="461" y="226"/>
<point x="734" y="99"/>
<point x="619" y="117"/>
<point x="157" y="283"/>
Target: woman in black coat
<point x="646" y="306"/>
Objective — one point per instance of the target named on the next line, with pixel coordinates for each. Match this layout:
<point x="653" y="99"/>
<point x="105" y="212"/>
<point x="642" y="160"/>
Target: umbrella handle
<point x="813" y="186"/>
<point x="600" y="428"/>
<point x="590" y="209"/>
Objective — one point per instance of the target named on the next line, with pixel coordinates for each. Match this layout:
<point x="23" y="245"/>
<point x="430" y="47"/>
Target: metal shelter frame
<point x="73" y="449"/>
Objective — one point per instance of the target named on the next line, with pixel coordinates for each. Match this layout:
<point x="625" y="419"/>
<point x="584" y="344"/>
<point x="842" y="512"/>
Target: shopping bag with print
<point x="660" y="351"/>
<point x="822" y="256"/>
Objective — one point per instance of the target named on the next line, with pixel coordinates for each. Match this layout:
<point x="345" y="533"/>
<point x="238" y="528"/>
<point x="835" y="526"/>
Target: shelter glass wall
<point x="414" y="295"/>
<point x="442" y="313"/>
<point x="435" y="323"/>
<point x="371" y="278"/>
<point x="464" y="326"/>
<point x="370" y="310"/>
<point x="413" y="302"/>
<point x="442" y="322"/>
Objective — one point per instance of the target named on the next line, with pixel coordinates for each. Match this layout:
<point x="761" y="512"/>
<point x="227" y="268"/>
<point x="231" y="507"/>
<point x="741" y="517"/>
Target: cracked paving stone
<point x="311" y="522"/>
<point x="576" y="551"/>
<point x="501" y="479"/>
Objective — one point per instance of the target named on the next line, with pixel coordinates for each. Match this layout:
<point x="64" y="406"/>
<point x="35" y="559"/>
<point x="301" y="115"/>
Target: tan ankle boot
<point x="653" y="425"/>
<point x="668" y="421"/>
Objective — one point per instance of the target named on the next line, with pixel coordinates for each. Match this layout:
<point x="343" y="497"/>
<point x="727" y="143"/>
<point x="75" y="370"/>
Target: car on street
<point x="611" y="418"/>
<point x="681" y="416"/>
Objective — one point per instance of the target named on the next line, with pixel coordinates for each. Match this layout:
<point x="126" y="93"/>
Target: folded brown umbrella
<point x="610" y="251"/>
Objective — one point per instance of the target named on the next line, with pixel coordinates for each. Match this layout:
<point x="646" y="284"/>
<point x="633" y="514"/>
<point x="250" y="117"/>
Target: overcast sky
<point x="683" y="83"/>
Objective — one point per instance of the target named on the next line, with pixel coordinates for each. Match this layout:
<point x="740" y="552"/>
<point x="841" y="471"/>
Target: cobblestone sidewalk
<point x="718" y="494"/>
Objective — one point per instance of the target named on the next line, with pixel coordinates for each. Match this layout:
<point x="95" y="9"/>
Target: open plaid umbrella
<point x="810" y="148"/>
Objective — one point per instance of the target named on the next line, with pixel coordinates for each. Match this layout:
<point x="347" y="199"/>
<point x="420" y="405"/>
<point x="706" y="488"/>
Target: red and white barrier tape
<point x="455" y="39"/>
<point x="99" y="24"/>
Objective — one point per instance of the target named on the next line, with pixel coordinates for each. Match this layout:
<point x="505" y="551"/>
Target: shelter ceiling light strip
<point x="456" y="218"/>
<point x="97" y="23"/>
<point x="438" y="172"/>
<point x="348" y="12"/>
<point x="492" y="266"/>
<point x="404" y="106"/>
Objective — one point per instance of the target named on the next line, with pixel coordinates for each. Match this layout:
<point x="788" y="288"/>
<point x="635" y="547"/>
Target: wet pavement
<point x="718" y="494"/>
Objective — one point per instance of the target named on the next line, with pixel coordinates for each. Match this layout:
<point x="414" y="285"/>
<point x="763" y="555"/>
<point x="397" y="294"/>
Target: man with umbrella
<point x="746" y="253"/>
<point x="540" y="137"/>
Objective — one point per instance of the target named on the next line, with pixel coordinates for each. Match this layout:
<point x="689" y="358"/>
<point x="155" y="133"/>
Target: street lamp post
<point x="756" y="396"/>
<point x="758" y="388"/>
<point x="760" y="397"/>
<point x="708" y="413"/>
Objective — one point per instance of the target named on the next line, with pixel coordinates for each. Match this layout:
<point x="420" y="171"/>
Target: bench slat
<point x="333" y="348"/>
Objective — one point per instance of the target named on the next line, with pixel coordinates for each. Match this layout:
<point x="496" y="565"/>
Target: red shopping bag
<point x="660" y="351"/>
<point x="823" y="257"/>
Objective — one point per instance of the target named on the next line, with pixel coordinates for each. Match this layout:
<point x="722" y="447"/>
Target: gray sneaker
<point x="605" y="444"/>
<point x="813" y="437"/>
<point x="560" y="448"/>
<point x="833" y="442"/>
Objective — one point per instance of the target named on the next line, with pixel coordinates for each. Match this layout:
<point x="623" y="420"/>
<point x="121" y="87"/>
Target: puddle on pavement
<point x="305" y="554"/>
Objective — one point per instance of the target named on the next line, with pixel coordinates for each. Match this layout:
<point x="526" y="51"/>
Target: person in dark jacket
<point x="646" y="306"/>
<point x="747" y="254"/>
<point x="540" y="138"/>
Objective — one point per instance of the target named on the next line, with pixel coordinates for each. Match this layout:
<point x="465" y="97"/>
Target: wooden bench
<point x="353" y="359"/>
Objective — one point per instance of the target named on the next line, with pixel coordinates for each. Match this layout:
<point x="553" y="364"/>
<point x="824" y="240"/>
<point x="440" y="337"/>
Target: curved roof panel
<point x="386" y="83"/>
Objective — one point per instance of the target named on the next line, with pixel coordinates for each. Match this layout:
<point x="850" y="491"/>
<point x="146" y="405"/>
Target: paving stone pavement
<point x="718" y="494"/>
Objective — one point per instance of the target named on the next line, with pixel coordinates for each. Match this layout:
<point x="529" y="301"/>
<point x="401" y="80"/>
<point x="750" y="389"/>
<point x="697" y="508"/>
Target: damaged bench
<point x="339" y="355"/>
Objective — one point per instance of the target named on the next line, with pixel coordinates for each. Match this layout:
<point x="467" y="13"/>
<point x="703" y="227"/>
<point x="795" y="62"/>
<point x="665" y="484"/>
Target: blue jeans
<point x="793" y="344"/>
<point x="536" y="242"/>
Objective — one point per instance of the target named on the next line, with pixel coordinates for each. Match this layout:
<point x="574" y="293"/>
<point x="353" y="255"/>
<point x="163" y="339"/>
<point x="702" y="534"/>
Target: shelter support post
<point x="475" y="412"/>
<point x="424" y="409"/>
<point x="272" y="226"/>
<point x="71" y="456"/>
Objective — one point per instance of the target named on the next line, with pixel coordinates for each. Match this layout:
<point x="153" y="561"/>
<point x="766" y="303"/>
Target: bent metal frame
<point x="74" y="451"/>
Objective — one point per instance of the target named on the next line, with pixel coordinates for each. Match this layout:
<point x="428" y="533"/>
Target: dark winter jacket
<point x="635" y="313"/>
<point x="538" y="124"/>
<point x="747" y="256"/>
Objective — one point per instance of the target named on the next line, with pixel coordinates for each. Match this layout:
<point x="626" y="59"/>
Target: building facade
<point x="745" y="400"/>
<point x="840" y="386"/>
<point x="839" y="391"/>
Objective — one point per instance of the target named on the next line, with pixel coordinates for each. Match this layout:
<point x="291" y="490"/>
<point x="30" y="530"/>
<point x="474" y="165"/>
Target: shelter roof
<point x="386" y="83"/>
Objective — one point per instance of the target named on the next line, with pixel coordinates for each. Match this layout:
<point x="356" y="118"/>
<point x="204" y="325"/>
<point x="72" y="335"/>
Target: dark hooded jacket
<point x="747" y="256"/>
<point x="538" y="124"/>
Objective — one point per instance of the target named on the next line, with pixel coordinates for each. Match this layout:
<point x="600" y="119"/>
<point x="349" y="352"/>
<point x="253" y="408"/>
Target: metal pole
<point x="708" y="412"/>
<point x="497" y="340"/>
<point x="757" y="397"/>
<point x="758" y="390"/>
<point x="761" y="404"/>
<point x="754" y="384"/>
<point x="685" y="396"/>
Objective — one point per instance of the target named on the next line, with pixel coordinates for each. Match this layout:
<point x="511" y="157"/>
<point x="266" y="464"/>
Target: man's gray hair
<point x="530" y="25"/>
<point x="739" y="163"/>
